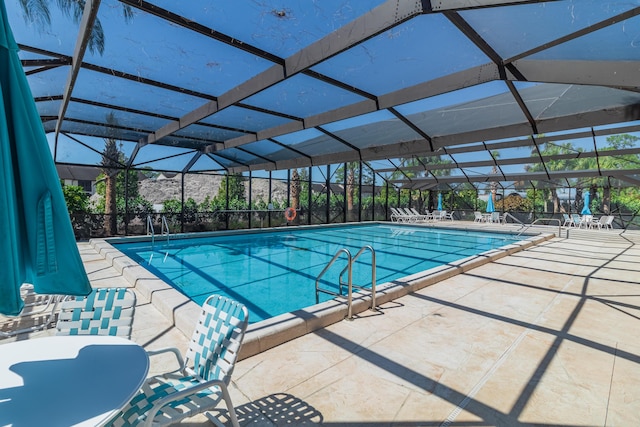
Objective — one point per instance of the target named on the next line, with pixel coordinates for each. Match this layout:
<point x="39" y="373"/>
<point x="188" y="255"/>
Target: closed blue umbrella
<point x="37" y="242"/>
<point x="585" y="209"/>
<point x="439" y="201"/>
<point x="490" y="207"/>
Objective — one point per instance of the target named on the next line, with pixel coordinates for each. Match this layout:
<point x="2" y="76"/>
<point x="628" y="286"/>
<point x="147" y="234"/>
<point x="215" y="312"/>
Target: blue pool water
<point x="275" y="272"/>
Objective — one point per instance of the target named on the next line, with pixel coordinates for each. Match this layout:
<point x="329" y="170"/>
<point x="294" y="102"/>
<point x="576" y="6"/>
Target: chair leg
<point x="232" y="412"/>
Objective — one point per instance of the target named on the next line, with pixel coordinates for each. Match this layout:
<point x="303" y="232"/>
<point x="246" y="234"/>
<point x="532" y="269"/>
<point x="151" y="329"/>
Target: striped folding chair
<point x="203" y="378"/>
<point x="105" y="311"/>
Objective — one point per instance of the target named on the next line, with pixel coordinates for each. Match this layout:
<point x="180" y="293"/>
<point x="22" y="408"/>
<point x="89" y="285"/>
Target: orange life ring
<point x="290" y="214"/>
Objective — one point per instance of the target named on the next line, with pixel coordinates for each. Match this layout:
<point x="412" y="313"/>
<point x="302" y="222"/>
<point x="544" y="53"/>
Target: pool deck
<point x="545" y="336"/>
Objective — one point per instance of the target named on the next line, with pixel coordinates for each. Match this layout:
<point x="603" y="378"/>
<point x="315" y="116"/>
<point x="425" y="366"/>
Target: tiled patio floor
<point x="548" y="336"/>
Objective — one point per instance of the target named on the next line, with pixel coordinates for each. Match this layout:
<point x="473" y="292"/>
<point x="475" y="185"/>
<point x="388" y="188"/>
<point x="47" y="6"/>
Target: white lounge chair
<point x="203" y="377"/>
<point x="417" y="216"/>
<point x="396" y="216"/>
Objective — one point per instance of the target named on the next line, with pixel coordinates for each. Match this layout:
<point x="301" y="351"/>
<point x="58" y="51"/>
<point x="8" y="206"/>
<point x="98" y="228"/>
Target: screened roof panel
<point x="610" y="142"/>
<point x="206" y="163"/>
<point x="100" y="131"/>
<point x="48" y="108"/>
<point x="126" y="119"/>
<point x="49" y="125"/>
<point x="472" y="156"/>
<point x="181" y="142"/>
<point x="70" y="151"/>
<point x="312" y="142"/>
<point x="617" y="42"/>
<point x="303" y="96"/>
<point x="281" y="28"/>
<point x="487" y="171"/>
<point x="225" y="161"/>
<point x="164" y="52"/>
<point x="82" y="149"/>
<point x="559" y="100"/>
<point x="270" y="150"/>
<point x="48" y="82"/>
<point x="28" y="55"/>
<point x="521" y="152"/>
<point x="511" y="30"/>
<point x="174" y="164"/>
<point x="494" y="111"/>
<point x="207" y="133"/>
<point x="342" y="80"/>
<point x="400" y="57"/>
<point x="245" y="119"/>
<point x="152" y="153"/>
<point x="112" y="90"/>
<point x="374" y="129"/>
<point x="58" y="35"/>
<point x="613" y="127"/>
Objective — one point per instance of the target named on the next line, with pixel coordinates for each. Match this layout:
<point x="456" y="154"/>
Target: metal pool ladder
<point x="163" y="230"/>
<point x="349" y="270"/>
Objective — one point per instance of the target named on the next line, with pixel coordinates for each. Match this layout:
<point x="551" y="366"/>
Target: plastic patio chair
<point x="477" y="217"/>
<point x="105" y="311"/>
<point x="586" y="221"/>
<point x="605" y="221"/>
<point x="576" y="219"/>
<point x="203" y="377"/>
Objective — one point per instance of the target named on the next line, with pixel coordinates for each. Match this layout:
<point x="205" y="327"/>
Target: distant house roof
<point x="78" y="173"/>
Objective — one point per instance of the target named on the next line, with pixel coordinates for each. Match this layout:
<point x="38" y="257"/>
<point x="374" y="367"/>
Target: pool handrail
<point x="324" y="270"/>
<point x="164" y="227"/>
<point x="525" y="227"/>
<point x="373" y="274"/>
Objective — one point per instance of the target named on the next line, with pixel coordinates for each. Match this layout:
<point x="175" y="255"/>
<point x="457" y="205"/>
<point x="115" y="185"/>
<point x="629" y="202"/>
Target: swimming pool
<point x="274" y="272"/>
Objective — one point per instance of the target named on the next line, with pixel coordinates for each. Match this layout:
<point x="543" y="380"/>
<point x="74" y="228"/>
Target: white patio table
<point x="68" y="380"/>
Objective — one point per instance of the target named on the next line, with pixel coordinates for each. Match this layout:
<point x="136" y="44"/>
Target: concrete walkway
<point x="547" y="336"/>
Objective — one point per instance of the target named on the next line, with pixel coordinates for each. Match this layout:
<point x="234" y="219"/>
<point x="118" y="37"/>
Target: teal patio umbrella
<point x="36" y="238"/>
<point x="439" y="201"/>
<point x="585" y="209"/>
<point x="490" y="207"/>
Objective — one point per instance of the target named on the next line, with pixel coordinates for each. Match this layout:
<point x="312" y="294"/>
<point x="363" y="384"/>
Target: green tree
<point x="126" y="183"/>
<point x="234" y="194"/>
<point x="618" y="162"/>
<point x="351" y="171"/>
<point x="563" y="164"/>
<point x="76" y="199"/>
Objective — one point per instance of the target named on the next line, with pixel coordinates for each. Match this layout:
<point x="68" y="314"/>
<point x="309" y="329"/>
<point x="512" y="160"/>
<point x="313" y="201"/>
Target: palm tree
<point x="110" y="168"/>
<point x="295" y="190"/>
<point x="37" y="12"/>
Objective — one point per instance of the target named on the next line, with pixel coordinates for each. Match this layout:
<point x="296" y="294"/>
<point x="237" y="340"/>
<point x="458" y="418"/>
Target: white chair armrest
<point x="173" y="350"/>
